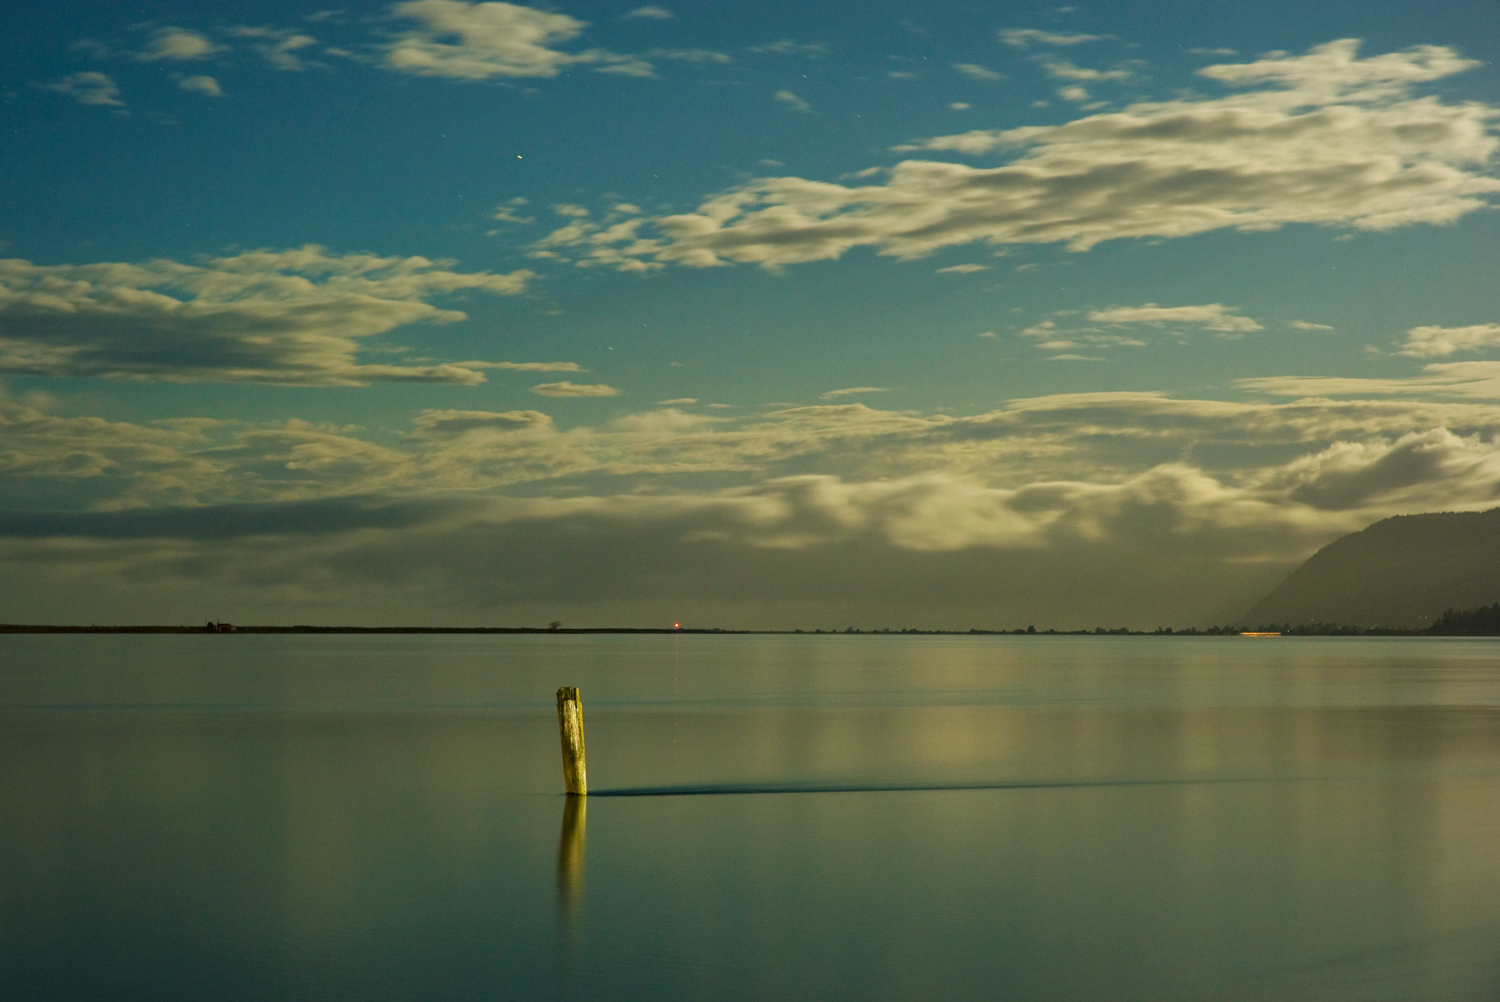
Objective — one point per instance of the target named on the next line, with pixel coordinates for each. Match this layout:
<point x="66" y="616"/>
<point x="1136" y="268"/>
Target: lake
<point x="257" y="817"/>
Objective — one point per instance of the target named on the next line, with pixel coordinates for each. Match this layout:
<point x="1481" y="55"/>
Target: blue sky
<point x="788" y="316"/>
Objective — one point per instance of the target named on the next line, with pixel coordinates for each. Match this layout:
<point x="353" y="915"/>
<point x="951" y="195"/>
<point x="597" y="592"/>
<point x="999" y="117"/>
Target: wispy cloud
<point x="290" y="317"/>
<point x="791" y="100"/>
<point x="1212" y="316"/>
<point x="650" y="13"/>
<point x="1325" y="138"/>
<point x="1473" y="380"/>
<point x="87" y="88"/>
<point x="527" y="366"/>
<point x="205" y="85"/>
<point x="567" y="389"/>
<point x="1051" y="336"/>
<point x="178" y="45"/>
<point x="976" y="72"/>
<point x="690" y="55"/>
<point x="792" y="47"/>
<point x="509" y="211"/>
<point x="854" y="391"/>
<point x="1024" y="38"/>
<point x="1119" y="327"/>
<point x="1064" y="70"/>
<point x="281" y="48"/>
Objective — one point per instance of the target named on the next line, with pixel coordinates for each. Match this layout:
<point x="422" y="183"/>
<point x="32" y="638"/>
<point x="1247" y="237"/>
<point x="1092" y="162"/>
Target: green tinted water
<point x="262" y="817"/>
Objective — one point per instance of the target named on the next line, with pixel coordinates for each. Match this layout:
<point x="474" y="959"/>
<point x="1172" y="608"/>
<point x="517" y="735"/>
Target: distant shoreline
<point x="225" y="628"/>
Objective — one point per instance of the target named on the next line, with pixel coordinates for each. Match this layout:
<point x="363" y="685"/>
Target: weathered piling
<point x="570" y="726"/>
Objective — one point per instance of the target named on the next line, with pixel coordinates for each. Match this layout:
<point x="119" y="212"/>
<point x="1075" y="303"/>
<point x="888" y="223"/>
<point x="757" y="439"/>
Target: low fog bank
<point x="785" y="560"/>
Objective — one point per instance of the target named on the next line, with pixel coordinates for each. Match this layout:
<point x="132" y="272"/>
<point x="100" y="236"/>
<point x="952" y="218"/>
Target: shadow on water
<point x="732" y="789"/>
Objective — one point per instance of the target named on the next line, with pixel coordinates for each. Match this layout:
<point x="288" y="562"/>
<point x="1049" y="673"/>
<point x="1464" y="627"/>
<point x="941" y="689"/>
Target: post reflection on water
<point x="571" y="857"/>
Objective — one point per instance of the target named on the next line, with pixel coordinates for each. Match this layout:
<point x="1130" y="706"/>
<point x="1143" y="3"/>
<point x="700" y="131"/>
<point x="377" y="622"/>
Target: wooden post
<point x="570" y="724"/>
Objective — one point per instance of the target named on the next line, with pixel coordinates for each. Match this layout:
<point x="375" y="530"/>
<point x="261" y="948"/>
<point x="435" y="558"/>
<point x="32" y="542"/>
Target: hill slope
<point x="1400" y="572"/>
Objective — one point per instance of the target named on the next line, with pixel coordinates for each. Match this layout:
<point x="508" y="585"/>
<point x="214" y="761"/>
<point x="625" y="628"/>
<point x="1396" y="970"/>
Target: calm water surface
<point x="824" y="817"/>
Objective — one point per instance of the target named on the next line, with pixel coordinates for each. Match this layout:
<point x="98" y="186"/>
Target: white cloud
<point x="1212" y="316"/>
<point x="177" y="44"/>
<point x="1424" y="470"/>
<point x="1303" y="325"/>
<point x="207" y="86"/>
<point x="485" y="41"/>
<point x="650" y="13"/>
<point x="677" y="402"/>
<point x="567" y="389"/>
<point x="1023" y="38"/>
<point x="976" y="72"/>
<point x="791" y="100"/>
<point x="263" y="316"/>
<point x="1073" y="93"/>
<point x="1040" y="474"/>
<point x="1171" y="540"/>
<point x="1431" y="342"/>
<point x="494" y="39"/>
<point x="1323" y="139"/>
<point x="959" y="106"/>
<point x="1334" y="73"/>
<point x="87" y="88"/>
<point x="962" y="269"/>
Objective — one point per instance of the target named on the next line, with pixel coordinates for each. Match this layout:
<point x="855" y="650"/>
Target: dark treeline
<point x="1481" y="622"/>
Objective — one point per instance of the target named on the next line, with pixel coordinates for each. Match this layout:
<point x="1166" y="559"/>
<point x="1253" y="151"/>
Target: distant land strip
<point x="1481" y="622"/>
